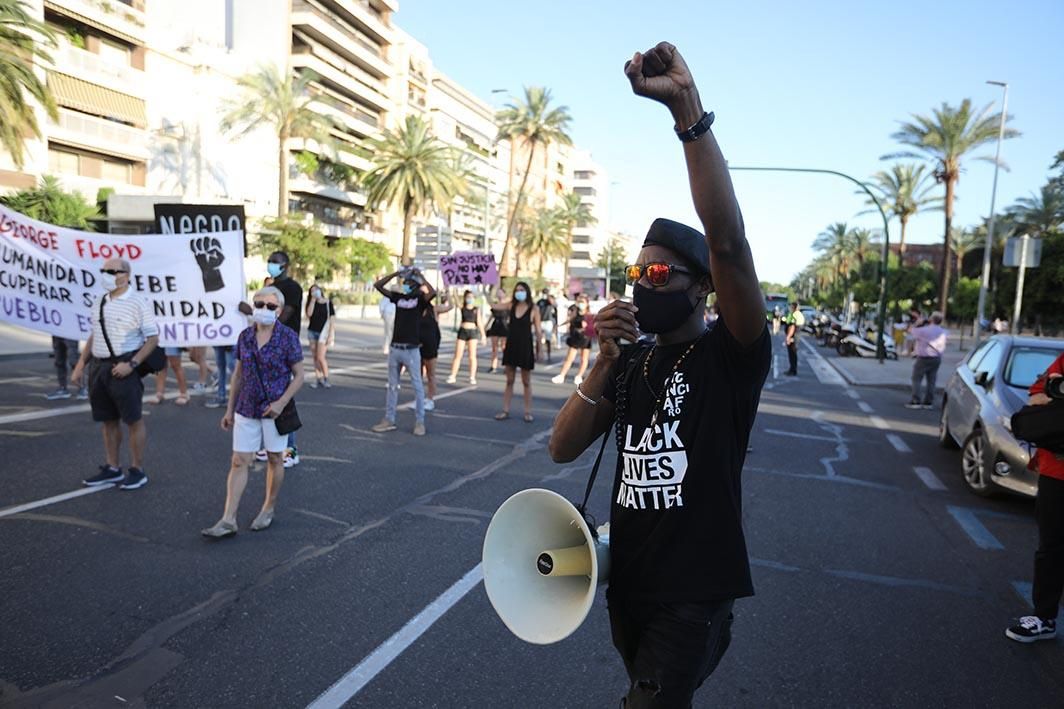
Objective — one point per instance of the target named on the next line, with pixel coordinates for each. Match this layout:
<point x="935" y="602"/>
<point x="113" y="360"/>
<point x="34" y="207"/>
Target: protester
<point x="66" y="357"/>
<point x="578" y="340"/>
<point x="929" y="342"/>
<point x="320" y="333"/>
<point x="277" y="266"/>
<point x="1049" y="514"/>
<point x="777" y="319"/>
<point x="519" y="352"/>
<point x="224" y="362"/>
<point x="793" y="322"/>
<point x="405" y="350"/>
<point x="266" y="376"/>
<point x="430" y="344"/>
<point x="498" y="328"/>
<point x="548" y="322"/>
<point x="468" y="330"/>
<point x="173" y="363"/>
<point x="684" y="404"/>
<point x="387" y="310"/>
<point x="124" y="333"/>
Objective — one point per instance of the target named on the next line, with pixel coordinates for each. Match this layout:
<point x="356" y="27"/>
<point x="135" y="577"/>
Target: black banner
<point x="200" y="219"/>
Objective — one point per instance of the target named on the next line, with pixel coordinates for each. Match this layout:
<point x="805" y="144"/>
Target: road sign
<point x="1013" y="247"/>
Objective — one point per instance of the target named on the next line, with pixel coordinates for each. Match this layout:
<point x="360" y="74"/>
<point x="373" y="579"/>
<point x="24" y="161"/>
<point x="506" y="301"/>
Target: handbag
<point x="154" y="362"/>
<point x="288" y="420"/>
<point x="1042" y="425"/>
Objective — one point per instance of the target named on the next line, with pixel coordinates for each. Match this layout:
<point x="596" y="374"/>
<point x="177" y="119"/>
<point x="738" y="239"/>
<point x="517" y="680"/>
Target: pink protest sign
<point x="469" y="268"/>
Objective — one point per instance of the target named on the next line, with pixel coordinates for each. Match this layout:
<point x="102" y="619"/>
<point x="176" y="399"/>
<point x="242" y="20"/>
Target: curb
<point x="884" y="385"/>
<point x="24" y="355"/>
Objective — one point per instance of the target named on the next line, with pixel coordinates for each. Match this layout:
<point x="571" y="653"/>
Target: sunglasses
<point x="269" y="306"/>
<point x="657" y="273"/>
<point x="112" y="271"/>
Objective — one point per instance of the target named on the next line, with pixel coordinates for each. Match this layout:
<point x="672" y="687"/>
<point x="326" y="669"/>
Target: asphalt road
<point x="877" y="585"/>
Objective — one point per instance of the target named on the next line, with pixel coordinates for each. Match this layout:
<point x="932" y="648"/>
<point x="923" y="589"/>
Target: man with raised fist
<point x="683" y="405"/>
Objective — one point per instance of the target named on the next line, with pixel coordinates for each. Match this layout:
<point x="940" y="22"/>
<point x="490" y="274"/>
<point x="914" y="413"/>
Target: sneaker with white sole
<point x="430" y="405"/>
<point x="578" y="380"/>
<point x="1031" y="628"/>
<point x="451" y="380"/>
<point x="291" y="454"/>
<point x="261" y="456"/>
<point x="135" y="478"/>
<point x="325" y="383"/>
<point x="558" y="379"/>
<point x="419" y="429"/>
<point x="106" y="476"/>
<point x="198" y="389"/>
<point x="61" y="393"/>
<point x="383" y="427"/>
<point x="83" y="394"/>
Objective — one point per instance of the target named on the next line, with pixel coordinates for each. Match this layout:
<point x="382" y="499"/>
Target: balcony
<point x="323" y="26"/>
<point x="119" y="19"/>
<point x="362" y="12"/>
<point x="99" y="135"/>
<point x="343" y="75"/>
<point x="355" y="119"/>
<point x="85" y="65"/>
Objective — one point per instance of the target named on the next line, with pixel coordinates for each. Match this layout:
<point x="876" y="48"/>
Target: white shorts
<point x="250" y="435"/>
<point x="547" y="326"/>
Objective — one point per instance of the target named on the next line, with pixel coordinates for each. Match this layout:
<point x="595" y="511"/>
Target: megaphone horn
<point x="542" y="565"/>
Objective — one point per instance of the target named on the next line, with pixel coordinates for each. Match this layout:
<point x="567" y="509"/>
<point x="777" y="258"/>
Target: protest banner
<point x="201" y="219"/>
<point x="49" y="279"/>
<point x="469" y="268"/>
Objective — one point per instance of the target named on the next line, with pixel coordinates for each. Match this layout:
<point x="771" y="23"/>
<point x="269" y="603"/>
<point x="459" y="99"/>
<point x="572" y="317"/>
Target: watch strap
<point x="697" y="130"/>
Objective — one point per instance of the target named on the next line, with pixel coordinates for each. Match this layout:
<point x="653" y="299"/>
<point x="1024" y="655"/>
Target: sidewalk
<point x="18" y="341"/>
<point x="892" y="374"/>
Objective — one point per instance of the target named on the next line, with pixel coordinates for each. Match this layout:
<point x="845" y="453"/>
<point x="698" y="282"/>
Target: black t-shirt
<point x="408" y="317"/>
<point x="676" y="531"/>
<point x="320" y="315"/>
<point x="547" y="310"/>
<point x="293" y="298"/>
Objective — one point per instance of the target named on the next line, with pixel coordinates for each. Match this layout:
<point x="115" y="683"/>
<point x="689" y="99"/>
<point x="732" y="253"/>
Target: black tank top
<point x="469" y="315"/>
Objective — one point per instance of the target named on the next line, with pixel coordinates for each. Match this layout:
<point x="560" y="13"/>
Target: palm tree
<point x="964" y="241"/>
<point x="415" y="170"/>
<point x="836" y="244"/>
<point x="572" y="212"/>
<point x="1040" y="213"/>
<point x="544" y="235"/>
<point x="905" y="192"/>
<point x="534" y="123"/>
<point x="22" y="40"/>
<point x="283" y="103"/>
<point x="862" y="243"/>
<point x="944" y="138"/>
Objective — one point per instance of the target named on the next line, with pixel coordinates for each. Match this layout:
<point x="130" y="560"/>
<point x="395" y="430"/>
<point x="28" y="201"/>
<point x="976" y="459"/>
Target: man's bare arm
<point x="661" y="74"/>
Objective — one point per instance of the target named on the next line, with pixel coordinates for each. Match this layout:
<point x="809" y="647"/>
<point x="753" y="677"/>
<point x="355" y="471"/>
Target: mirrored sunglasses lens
<point x="658" y="274"/>
<point x="633" y="273"/>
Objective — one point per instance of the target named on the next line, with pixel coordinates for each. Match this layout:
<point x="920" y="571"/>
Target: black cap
<point x="689" y="244"/>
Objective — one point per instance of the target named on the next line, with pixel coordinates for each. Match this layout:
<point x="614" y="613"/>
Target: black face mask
<point x="660" y="312"/>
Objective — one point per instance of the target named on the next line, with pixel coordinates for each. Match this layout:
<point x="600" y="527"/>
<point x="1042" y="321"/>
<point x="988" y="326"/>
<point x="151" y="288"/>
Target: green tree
<point x="962" y="242"/>
<point x="905" y="191"/>
<point x="1041" y="213"/>
<point x="23" y="41"/>
<point x="533" y="123"/>
<point x="281" y="102"/>
<point x="51" y="204"/>
<point x="836" y="244"/>
<point x="614" y="259"/>
<point x="415" y="170"/>
<point x="863" y="246"/>
<point x="543" y="236"/>
<point x="966" y="298"/>
<point x="312" y="255"/>
<point x="572" y="213"/>
<point x="945" y="138"/>
<point x="368" y="259"/>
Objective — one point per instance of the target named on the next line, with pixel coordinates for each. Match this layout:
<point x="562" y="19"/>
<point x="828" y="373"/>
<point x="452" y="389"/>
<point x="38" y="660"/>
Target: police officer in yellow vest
<point x="793" y="322"/>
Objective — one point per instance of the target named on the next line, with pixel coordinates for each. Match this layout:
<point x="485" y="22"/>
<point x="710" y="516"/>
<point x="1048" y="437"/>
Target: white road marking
<point x="446" y="394"/>
<point x="76" y="409"/>
<point x="842" y="451"/>
<point x="899" y="445"/>
<point x="878" y="422"/>
<point x="928" y="477"/>
<point x="853" y="394"/>
<point x="865" y="406"/>
<point x="825" y="373"/>
<point x="971" y="525"/>
<point x="809" y="436"/>
<point x="8" y="511"/>
<point x="363" y="673"/>
<point x="1023" y="589"/>
<point x="775" y="367"/>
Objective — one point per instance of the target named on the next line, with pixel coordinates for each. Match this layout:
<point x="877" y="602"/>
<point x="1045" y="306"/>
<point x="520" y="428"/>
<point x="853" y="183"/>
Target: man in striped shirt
<point x="115" y="388"/>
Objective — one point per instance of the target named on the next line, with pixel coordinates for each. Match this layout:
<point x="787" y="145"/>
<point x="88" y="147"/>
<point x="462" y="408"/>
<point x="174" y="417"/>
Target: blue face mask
<point x="520" y="296"/>
<point x="274" y="269"/>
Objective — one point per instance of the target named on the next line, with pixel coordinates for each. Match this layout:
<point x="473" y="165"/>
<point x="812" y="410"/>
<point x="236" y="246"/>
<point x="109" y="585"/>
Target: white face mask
<point x="108" y="281"/>
<point x="264" y="316"/>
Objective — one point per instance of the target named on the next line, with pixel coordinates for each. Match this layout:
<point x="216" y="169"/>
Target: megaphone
<point x="542" y="565"/>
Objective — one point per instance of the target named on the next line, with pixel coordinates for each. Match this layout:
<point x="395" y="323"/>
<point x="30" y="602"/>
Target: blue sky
<point x="812" y="84"/>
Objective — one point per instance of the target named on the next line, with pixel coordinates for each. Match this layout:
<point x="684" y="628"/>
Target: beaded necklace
<point x="659" y="398"/>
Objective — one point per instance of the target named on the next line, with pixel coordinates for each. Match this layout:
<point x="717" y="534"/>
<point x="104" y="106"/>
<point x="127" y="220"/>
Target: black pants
<point x="1049" y="559"/>
<point x="66" y="356"/>
<point x="669" y="649"/>
<point x="792" y="355"/>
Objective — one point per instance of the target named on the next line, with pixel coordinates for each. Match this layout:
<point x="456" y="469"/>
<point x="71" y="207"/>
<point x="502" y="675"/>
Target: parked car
<point x="982" y="394"/>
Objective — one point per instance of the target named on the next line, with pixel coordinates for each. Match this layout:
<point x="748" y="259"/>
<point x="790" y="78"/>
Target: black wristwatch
<point x="134" y="363"/>
<point x="697" y="130"/>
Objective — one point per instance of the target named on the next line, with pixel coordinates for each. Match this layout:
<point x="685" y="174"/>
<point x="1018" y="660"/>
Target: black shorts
<point x="578" y="341"/>
<point x="669" y="649"/>
<point x="430" y="344"/>
<point x="468" y="333"/>
<point x="112" y="398"/>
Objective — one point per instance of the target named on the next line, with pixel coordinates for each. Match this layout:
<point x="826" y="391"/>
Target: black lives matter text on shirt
<point x="293" y="298"/>
<point x="676" y="530"/>
<point x="408" y="317"/>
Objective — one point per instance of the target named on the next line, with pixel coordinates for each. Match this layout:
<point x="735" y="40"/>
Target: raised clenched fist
<point x="661" y="74"/>
<point x="209" y="257"/>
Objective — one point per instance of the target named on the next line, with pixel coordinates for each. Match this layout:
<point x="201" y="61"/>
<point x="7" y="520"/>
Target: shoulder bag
<point x="1041" y="425"/>
<point x="154" y="362"/>
<point x="286" y="421"/>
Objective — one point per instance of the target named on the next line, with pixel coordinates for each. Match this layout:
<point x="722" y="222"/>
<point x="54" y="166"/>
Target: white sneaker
<point x="430" y="405"/>
<point x="452" y="380"/>
<point x="261" y="456"/>
<point x="558" y="379"/>
<point x="198" y="389"/>
<point x="579" y="380"/>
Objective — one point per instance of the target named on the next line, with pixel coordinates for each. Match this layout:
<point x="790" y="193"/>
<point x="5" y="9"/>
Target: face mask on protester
<point x="316" y="293"/>
<point x="274" y="269"/>
<point x="108" y="281"/>
<point x="582" y="307"/>
<point x="660" y="312"/>
<point x="468" y="302"/>
<point x="520" y="296"/>
<point x="264" y="316"/>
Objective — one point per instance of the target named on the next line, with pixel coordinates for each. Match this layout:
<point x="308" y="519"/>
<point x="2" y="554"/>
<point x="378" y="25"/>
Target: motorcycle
<point x="835" y="332"/>
<point x="854" y="345"/>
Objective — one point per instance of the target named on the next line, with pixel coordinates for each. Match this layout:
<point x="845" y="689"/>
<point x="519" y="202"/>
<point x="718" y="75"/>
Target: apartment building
<point x="590" y="238"/>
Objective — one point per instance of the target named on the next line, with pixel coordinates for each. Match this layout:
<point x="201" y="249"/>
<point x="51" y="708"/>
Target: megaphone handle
<point x="582" y="507"/>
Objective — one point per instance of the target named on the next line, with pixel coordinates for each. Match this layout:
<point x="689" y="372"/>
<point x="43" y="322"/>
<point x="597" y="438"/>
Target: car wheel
<point x="944" y="438"/>
<point x="974" y="466"/>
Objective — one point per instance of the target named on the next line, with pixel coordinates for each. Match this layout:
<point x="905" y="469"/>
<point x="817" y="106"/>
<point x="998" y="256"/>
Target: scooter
<point x="853" y="345"/>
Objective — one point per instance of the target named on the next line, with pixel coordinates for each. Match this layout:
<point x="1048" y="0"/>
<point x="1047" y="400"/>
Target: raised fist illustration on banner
<point x="209" y="256"/>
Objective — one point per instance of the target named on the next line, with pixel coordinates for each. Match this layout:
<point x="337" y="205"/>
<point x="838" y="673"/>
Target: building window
<point x="115" y="171"/>
<point x="581" y="239"/>
<point x="581" y="256"/>
<point x="584" y="175"/>
<point x="114" y="52"/>
<point x="585" y="191"/>
<point x="62" y="161"/>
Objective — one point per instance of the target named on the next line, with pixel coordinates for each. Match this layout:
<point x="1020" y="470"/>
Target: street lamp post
<point x="881" y="352"/>
<point x="980" y="315"/>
